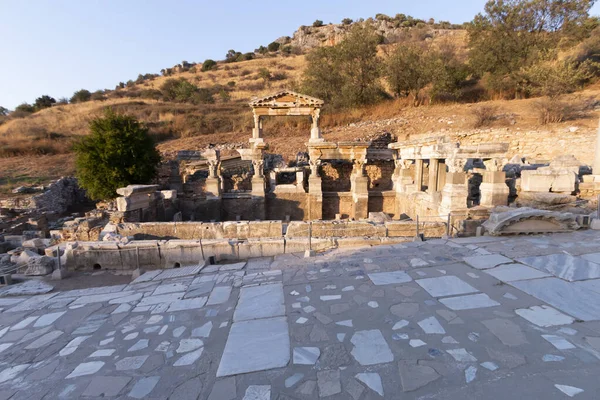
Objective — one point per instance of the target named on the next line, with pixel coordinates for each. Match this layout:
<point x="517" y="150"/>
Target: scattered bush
<point x="347" y="21"/>
<point x="273" y="46"/>
<point x="81" y="96"/>
<point x="209" y="65"/>
<point x="317" y="23"/>
<point x="44" y="101"/>
<point x="484" y="115"/>
<point x="553" y="110"/>
<point x="25" y="108"/>
<point x="98" y="95"/>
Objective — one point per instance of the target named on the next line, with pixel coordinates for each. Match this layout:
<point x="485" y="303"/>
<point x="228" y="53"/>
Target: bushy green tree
<point x="209" y="65"/>
<point x="178" y="90"/>
<point x="25" y="108"/>
<point x="408" y="71"/>
<point x="44" y="101"/>
<point x="117" y="152"/>
<point x="347" y="74"/>
<point x="273" y="46"/>
<point x="81" y="96"/>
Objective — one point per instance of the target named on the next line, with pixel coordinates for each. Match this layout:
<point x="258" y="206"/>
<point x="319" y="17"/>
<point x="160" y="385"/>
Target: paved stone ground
<point x="474" y="318"/>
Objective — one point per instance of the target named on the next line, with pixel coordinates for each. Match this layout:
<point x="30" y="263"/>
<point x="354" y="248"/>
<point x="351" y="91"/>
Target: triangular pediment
<point x="286" y="99"/>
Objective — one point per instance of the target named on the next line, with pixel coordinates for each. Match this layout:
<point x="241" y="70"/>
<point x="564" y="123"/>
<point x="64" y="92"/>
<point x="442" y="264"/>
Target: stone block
<point x="168" y="194"/>
<point x="137" y="189"/>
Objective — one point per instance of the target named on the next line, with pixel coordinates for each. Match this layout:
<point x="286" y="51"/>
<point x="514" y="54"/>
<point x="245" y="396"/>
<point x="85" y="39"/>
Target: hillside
<point x="37" y="147"/>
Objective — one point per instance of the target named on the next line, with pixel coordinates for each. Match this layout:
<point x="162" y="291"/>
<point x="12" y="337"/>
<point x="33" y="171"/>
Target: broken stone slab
<point x="137" y="189"/>
<point x="42" y="265"/>
<point x="529" y="220"/>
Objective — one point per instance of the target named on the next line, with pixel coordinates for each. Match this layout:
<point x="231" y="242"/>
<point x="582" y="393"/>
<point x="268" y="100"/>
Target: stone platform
<point x="473" y="318"/>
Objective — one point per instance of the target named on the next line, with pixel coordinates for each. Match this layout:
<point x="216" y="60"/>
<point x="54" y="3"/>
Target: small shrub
<point x="209" y="65"/>
<point x="44" y="101"/>
<point x="98" y="95"/>
<point x="347" y="21"/>
<point x="317" y="23"/>
<point x="552" y="110"/>
<point x="484" y="116"/>
<point x="273" y="46"/>
<point x="245" y="72"/>
<point x="224" y="96"/>
<point x="25" y="108"/>
<point x="231" y="83"/>
<point x="81" y="96"/>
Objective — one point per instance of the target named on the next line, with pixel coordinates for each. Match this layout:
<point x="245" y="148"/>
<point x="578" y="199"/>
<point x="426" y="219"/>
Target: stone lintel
<point x="137" y="189"/>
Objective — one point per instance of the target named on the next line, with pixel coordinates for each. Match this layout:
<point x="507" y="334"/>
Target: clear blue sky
<point x="55" y="47"/>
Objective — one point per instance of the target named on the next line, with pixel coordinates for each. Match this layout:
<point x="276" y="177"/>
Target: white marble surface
<point x="265" y="301"/>
<point x="515" y="272"/>
<point x="448" y="285"/>
<point x="370" y="348"/>
<point x="256" y="345"/>
<point x="461" y="355"/>
<point x="469" y="302"/>
<point x="431" y="326"/>
<point x="564" y="266"/>
<point x="567" y="297"/>
<point x="372" y="380"/>
<point x="306" y="355"/>
<point x="544" y="316"/>
<point x="559" y="342"/>
<point x="389" y="278"/>
<point x="487" y="261"/>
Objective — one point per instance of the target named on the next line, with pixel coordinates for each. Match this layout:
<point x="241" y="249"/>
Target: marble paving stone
<point x="100" y="298"/>
<point x="143" y="387"/>
<point x="44" y="340"/>
<point x="258" y="392"/>
<point x="591" y="285"/>
<point x="489" y="365"/>
<point x="432" y="326"/>
<point x="256" y="345"/>
<point x="146" y="277"/>
<point x="219" y="295"/>
<point x="12" y="372"/>
<point x="404" y="310"/>
<point x="189" y="358"/>
<point x="139" y="345"/>
<point x="122" y="308"/>
<point x="414" y="376"/>
<point x="162" y="298"/>
<point x="569" y="390"/>
<point x="331" y="297"/>
<point x="570" y="299"/>
<point x="470" y="374"/>
<point x="178" y="272"/>
<point x="292" y="380"/>
<point x="106" y="386"/>
<point x="449" y="340"/>
<point x="170" y="288"/>
<point x="223" y="389"/>
<point x="515" y="272"/>
<point x="461" y="355"/>
<point x="187" y="345"/>
<point x="509" y="333"/>
<point x="448" y="285"/>
<point x="487" y="261"/>
<point x="559" y="342"/>
<point x="370" y="348"/>
<point x="187" y="304"/>
<point x="102" y="353"/>
<point x="48" y="319"/>
<point x="564" y="266"/>
<point x="127" y="299"/>
<point x="87" y="368"/>
<point x="72" y="345"/>
<point x="552" y="358"/>
<point x="469" y="302"/>
<point x="203" y="331"/>
<point x="306" y="355"/>
<point x="544" y="316"/>
<point x="24" y="323"/>
<point x="307" y="388"/>
<point x="372" y="380"/>
<point x="329" y="383"/>
<point x="400" y="324"/>
<point x="130" y="363"/>
<point x="416" y="343"/>
<point x="389" y="278"/>
<point x="256" y="302"/>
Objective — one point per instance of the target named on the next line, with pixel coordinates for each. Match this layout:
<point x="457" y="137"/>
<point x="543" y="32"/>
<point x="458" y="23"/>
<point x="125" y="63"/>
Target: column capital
<point x="456" y="165"/>
<point x="495" y="164"/>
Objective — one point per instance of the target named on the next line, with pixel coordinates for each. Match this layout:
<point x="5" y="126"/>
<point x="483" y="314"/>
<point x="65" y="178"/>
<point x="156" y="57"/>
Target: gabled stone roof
<point x="286" y="98"/>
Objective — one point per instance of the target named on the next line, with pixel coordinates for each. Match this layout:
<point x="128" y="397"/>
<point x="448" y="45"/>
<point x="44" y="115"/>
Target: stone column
<point x="596" y="166"/>
<point x="402" y="177"/>
<point x="494" y="191"/>
<point x="213" y="182"/>
<point x="433" y="175"/>
<point x="359" y="184"/>
<point x="315" y="191"/>
<point x="258" y="190"/>
<point x="315" y="131"/>
<point x="456" y="191"/>
<point x="257" y="130"/>
<point x="419" y="175"/>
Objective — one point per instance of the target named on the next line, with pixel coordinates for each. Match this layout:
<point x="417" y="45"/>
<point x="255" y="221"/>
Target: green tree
<point x="347" y="21"/>
<point x="118" y="152"/>
<point x="317" y="23"/>
<point x="25" y="108"/>
<point x="273" y="47"/>
<point x="44" y="101"/>
<point x="81" y="96"/>
<point x="209" y="65"/>
<point x="347" y="74"/>
<point x="178" y="90"/>
<point x="408" y="71"/>
<point x="4" y="111"/>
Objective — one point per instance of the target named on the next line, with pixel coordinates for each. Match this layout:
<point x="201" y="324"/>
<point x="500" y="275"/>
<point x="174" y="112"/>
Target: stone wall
<point x="58" y="197"/>
<point x="201" y="230"/>
<point x="337" y="203"/>
<point x="536" y="145"/>
<point x="380" y="174"/>
<point x="335" y="176"/>
<point x="383" y="202"/>
<point x="294" y="205"/>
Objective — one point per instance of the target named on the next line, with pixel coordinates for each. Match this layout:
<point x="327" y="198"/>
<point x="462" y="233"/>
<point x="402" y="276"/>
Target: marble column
<point x="213" y="181"/>
<point x="359" y="184"/>
<point x="433" y="175"/>
<point x="456" y="191"/>
<point x="315" y="191"/>
<point x="257" y="130"/>
<point x="419" y="175"/>
<point x="315" y="131"/>
<point x="494" y="191"/>
<point x="402" y="177"/>
<point x="258" y="190"/>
